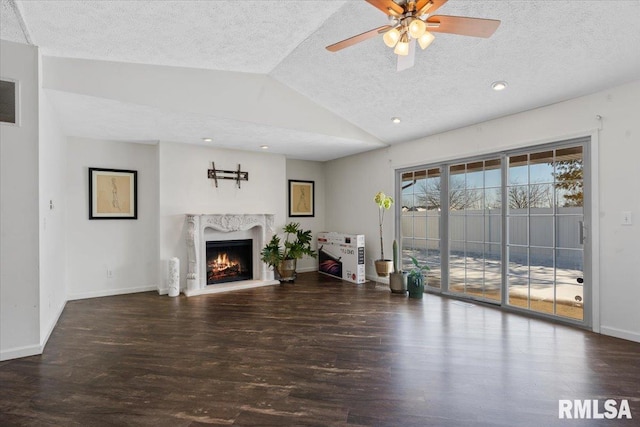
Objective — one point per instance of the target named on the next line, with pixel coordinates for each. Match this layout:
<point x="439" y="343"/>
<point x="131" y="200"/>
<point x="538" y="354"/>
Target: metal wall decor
<point x="236" y="175"/>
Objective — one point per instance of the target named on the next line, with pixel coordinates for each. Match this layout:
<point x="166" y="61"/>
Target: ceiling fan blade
<point x="433" y="5"/>
<point x="357" y="39"/>
<point x="407" y="61"/>
<point x="475" y="27"/>
<point x="389" y="7"/>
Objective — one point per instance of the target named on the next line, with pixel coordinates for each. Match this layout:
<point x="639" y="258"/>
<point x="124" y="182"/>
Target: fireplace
<point x="201" y="229"/>
<point x="229" y="261"/>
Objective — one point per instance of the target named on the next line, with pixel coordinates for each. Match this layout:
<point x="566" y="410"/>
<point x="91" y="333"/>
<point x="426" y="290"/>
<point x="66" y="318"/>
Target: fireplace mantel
<point x="221" y="225"/>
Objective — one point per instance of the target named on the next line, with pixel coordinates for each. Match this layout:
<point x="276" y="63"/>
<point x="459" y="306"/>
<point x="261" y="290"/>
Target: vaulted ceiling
<point x="254" y="73"/>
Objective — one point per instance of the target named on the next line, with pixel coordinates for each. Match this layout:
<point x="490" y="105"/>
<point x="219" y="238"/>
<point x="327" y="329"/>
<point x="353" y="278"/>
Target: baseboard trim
<point x="377" y="279"/>
<point x="111" y="292"/>
<point x="620" y="333"/>
<point x="18" y="352"/>
<point x="52" y="326"/>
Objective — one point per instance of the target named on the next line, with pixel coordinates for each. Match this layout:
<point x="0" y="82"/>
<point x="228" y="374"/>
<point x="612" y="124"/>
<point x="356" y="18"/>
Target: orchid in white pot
<point x="384" y="202"/>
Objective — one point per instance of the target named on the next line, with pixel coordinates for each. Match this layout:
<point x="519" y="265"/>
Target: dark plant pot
<point x="383" y="267"/>
<point x="398" y="282"/>
<point x="287" y="270"/>
<point x="415" y="286"/>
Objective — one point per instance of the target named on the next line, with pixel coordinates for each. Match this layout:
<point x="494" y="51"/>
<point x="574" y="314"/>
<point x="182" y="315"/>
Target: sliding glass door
<point x="545" y="219"/>
<point x="514" y="227"/>
<point x="475" y="229"/>
<point x="420" y="223"/>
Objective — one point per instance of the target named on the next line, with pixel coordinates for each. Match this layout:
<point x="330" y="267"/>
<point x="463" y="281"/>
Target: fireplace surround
<point x="209" y="227"/>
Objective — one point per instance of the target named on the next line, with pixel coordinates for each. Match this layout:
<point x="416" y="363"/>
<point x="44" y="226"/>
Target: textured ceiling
<point x="547" y="51"/>
<point x="10" y="28"/>
<point x="247" y="36"/>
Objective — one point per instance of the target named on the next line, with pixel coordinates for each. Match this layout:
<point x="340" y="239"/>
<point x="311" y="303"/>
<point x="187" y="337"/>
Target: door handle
<point x="581" y="231"/>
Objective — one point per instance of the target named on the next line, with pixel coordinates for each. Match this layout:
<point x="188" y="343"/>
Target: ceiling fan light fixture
<point x="417" y="28"/>
<point x="425" y="40"/>
<point x="402" y="48"/>
<point x="391" y="37"/>
<point x="412" y="20"/>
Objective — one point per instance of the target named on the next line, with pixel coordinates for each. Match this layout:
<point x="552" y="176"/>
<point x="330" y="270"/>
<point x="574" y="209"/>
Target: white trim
<point x="620" y="333"/>
<point x="594" y="240"/>
<point x="111" y="292"/>
<point x="52" y="326"/>
<point x="17" y="352"/>
<point x="377" y="279"/>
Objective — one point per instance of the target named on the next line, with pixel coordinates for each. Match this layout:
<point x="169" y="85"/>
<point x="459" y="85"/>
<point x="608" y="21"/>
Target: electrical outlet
<point x="109" y="273"/>
<point x="626" y="218"/>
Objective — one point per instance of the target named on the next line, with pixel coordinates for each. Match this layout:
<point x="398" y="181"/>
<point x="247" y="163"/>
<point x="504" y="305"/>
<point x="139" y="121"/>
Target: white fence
<point x="477" y="233"/>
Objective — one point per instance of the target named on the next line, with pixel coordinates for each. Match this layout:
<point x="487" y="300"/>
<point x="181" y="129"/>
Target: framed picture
<point x="301" y="198"/>
<point x="113" y="194"/>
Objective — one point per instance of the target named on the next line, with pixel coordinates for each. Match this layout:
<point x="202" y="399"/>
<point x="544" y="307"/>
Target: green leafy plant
<point x="417" y="272"/>
<point x="384" y="203"/>
<point x="296" y="244"/>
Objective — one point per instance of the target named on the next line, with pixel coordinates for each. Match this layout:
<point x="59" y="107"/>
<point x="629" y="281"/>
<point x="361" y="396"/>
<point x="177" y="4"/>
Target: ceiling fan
<point x="411" y="20"/>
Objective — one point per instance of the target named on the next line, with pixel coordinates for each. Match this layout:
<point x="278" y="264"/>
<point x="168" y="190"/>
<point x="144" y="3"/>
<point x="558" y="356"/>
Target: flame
<point x="221" y="263"/>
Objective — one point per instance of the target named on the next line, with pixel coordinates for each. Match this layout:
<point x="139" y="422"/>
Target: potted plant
<point x="415" y="281"/>
<point x="384" y="202"/>
<point x="282" y="258"/>
<point x="397" y="279"/>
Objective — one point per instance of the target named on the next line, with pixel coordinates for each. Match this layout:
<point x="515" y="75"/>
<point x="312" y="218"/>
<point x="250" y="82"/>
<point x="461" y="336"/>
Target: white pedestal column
<point x="174" y="277"/>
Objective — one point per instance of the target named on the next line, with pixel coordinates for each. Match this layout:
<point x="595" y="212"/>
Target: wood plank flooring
<point x="318" y="352"/>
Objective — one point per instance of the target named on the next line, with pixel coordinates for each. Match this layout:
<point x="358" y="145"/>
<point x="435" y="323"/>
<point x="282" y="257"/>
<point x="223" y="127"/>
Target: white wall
<point x="185" y="188"/>
<point x="19" y="254"/>
<point x="52" y="197"/>
<point x="618" y="136"/>
<point x="129" y="248"/>
<point x="309" y="171"/>
<point x="354" y="181"/>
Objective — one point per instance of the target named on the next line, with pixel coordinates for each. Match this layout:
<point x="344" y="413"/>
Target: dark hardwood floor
<point x="318" y="352"/>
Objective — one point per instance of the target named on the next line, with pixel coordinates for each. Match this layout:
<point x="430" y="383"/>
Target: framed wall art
<point x="113" y="194"/>
<point x="301" y="198"/>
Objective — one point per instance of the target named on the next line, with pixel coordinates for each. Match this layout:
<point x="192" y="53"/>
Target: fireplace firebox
<point x="229" y="261"/>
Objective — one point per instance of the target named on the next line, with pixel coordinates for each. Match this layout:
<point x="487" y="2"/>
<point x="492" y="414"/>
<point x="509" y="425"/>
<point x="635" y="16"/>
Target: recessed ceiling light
<point x="264" y="147"/>
<point x="207" y="139"/>
<point x="498" y="86"/>
<point x="396" y="120"/>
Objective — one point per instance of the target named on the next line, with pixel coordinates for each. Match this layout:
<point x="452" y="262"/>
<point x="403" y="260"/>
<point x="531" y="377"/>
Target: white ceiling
<point x="548" y="51"/>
